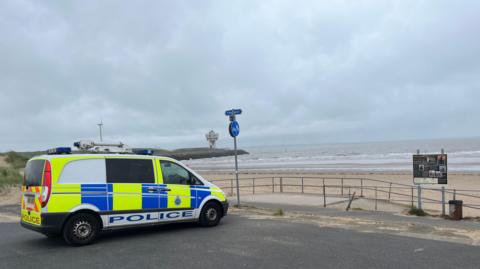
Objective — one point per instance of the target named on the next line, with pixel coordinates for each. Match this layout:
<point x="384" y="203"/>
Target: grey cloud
<point x="162" y="73"/>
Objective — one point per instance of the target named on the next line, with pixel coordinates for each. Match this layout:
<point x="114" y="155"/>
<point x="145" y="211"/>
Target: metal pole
<point x="419" y="197"/>
<point x="302" y="184"/>
<point x="389" y="191"/>
<point x="376" y="199"/>
<point x="100" y="127"/>
<point x="342" y="187"/>
<point x="281" y="184"/>
<point x="443" y="201"/>
<point x="273" y="184"/>
<point x="350" y="202"/>
<point x="324" y="197"/>
<point x="361" y="187"/>
<point x="236" y="169"/>
<point x="412" y="196"/>
<point x="253" y="181"/>
<point x="454" y="194"/>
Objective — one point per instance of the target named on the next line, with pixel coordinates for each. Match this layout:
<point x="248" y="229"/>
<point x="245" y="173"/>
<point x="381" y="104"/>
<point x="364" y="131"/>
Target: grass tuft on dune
<point x="9" y="177"/>
<point x="16" y="160"/>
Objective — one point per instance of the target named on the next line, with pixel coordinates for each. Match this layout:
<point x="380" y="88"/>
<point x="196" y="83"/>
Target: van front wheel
<point x="81" y="229"/>
<point x="210" y="214"/>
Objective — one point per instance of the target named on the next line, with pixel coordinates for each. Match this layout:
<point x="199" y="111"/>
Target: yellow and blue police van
<point x="80" y="195"/>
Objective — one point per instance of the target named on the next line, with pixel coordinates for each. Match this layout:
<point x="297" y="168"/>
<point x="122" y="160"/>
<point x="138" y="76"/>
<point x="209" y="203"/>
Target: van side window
<point x="130" y="171"/>
<point x="87" y="171"/>
<point x="196" y="181"/>
<point x="174" y="173"/>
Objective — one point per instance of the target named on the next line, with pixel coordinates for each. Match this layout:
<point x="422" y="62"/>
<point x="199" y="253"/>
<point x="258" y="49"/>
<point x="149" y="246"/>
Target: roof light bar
<point x="59" y="150"/>
<point x="143" y="151"/>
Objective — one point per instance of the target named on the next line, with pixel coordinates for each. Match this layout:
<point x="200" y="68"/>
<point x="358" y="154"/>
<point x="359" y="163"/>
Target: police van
<point x="79" y="195"/>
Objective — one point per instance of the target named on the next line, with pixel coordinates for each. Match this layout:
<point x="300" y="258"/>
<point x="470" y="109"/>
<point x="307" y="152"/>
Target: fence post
<point x="324" y="195"/>
<point x="389" y="192"/>
<point x="376" y="198"/>
<point x="454" y="194"/>
<point x="342" y="187"/>
<point x="302" y="184"/>
<point x="419" y="197"/>
<point x="443" y="201"/>
<point x="281" y="184"/>
<point x="253" y="181"/>
<point x="412" y="196"/>
<point x="361" y="187"/>
<point x="273" y="184"/>
<point x="350" y="201"/>
<point x="323" y="180"/>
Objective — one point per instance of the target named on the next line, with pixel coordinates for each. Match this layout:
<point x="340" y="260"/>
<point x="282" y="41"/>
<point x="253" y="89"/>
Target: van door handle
<point x="151" y="189"/>
<point x="166" y="189"/>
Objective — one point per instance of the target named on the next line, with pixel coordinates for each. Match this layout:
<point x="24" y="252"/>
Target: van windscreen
<point x="34" y="173"/>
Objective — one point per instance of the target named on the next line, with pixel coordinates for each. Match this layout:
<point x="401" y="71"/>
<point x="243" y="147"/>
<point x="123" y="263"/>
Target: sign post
<point x="234" y="130"/>
<point x="430" y="168"/>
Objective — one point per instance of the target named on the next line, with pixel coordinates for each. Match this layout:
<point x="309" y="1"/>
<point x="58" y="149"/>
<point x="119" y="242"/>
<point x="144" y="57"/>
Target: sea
<point x="393" y="156"/>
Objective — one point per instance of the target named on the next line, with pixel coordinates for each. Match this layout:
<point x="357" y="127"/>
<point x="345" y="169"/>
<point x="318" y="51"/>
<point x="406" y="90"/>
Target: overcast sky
<point x="162" y="73"/>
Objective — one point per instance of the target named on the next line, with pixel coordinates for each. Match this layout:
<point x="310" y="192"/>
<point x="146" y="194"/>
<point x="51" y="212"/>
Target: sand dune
<point x="3" y="163"/>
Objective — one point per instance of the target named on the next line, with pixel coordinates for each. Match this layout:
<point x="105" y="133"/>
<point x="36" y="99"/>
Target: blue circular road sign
<point x="234" y="129"/>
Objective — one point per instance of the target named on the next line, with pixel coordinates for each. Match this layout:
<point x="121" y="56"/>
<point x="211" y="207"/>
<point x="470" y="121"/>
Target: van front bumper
<point x="52" y="223"/>
<point x="225" y="208"/>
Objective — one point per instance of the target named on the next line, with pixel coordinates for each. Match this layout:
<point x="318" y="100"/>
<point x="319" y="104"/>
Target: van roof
<point x="136" y="156"/>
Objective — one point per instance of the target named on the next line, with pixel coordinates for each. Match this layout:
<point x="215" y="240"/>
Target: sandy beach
<point x="400" y="191"/>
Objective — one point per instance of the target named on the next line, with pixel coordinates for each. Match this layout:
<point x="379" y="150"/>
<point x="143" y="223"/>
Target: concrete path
<point x="434" y="228"/>
<point x="290" y="199"/>
<point x="379" y="216"/>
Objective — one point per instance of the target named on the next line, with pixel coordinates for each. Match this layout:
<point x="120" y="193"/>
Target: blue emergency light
<point x="143" y="151"/>
<point x="59" y="150"/>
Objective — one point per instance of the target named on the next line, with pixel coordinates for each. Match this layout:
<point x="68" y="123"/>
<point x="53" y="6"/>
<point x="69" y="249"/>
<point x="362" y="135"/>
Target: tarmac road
<point x="238" y="242"/>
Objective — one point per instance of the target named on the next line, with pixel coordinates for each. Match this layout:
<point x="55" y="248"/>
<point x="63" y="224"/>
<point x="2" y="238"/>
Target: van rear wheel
<point x="81" y="229"/>
<point x="210" y="214"/>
